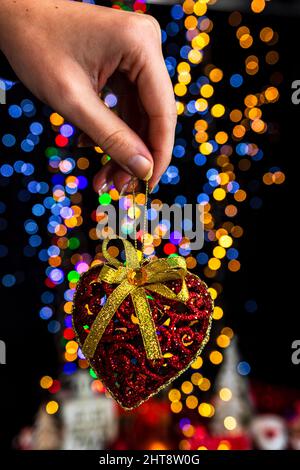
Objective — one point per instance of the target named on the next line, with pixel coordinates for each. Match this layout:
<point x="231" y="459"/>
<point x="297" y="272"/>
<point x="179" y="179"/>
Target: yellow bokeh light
<point x="200" y="41"/>
<point x="196" y="378"/>
<point x="174" y="394"/>
<point x="218" y="110"/>
<point x="191" y="262"/>
<point x="206" y="91"/>
<point x="188" y="6"/>
<point x="219" y="252"/>
<point x="179" y="107"/>
<point x="218" y="313"/>
<point x="184" y="445"/>
<point x="201" y="137"/>
<point x="272" y="94"/>
<point x="224" y="445"/>
<point x="223" y="341"/>
<point x="134" y="212"/>
<point x="200" y="124"/>
<point x="254" y="113"/>
<point x="230" y="423"/>
<point x="251" y="101"/>
<point x="184" y="77"/>
<point x="183" y="67"/>
<point x="220" y="232"/>
<point x="214" y="264"/>
<point x="225" y="394"/>
<point x="200" y="8"/>
<point x="195" y="56"/>
<point x="46" y="382"/>
<point x="187" y="387"/>
<point x="227" y="331"/>
<point x="234" y="265"/>
<point x="206" y="410"/>
<point x="225" y="241"/>
<point x="190" y="22"/>
<point x="266" y="34"/>
<point x="240" y="195"/>
<point x="201" y="104"/>
<point x="213" y="293"/>
<point x="278" y="177"/>
<point x="71" y="347"/>
<point x="268" y="178"/>
<point x="180" y="89"/>
<point x="231" y="210"/>
<point x="241" y="31"/>
<point x="52" y="407"/>
<point x="258" y="126"/>
<point x="70" y="357"/>
<point x="206" y="148"/>
<point x="157" y="445"/>
<point x="216" y="75"/>
<point x="236" y="115"/>
<point x="219" y="194"/>
<point x="197" y="363"/>
<point x="188" y="430"/>
<point x="56" y="119"/>
<point x="246" y="41"/>
<point x="68" y="307"/>
<point x="176" y="406"/>
<point x="216" y="357"/>
<point x="191" y="402"/>
<point x="221" y="137"/>
<point x="204" y="384"/>
<point x="258" y="6"/>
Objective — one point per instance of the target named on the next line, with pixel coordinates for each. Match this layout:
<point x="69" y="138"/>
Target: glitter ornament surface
<point x="120" y="359"/>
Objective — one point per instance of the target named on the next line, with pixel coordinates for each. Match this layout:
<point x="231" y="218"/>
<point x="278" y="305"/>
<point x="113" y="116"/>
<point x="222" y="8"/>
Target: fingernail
<point x="128" y="186"/>
<point x="139" y="166"/>
<point x="106" y="186"/>
<point x="152" y="188"/>
<point x="148" y="175"/>
<point x="125" y="188"/>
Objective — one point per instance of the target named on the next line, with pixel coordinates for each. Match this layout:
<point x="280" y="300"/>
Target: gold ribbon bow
<point x="132" y="280"/>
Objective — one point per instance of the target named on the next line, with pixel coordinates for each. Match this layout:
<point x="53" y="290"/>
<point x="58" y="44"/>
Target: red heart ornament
<point x="120" y="359"/>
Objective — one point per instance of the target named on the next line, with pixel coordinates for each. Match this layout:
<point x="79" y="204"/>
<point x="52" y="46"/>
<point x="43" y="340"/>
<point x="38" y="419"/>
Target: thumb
<point x="112" y="134"/>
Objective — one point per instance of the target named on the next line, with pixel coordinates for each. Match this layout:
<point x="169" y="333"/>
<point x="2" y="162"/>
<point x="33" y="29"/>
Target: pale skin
<point x="66" y="52"/>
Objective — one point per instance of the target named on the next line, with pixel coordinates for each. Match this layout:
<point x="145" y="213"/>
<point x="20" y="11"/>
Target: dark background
<point x="268" y="250"/>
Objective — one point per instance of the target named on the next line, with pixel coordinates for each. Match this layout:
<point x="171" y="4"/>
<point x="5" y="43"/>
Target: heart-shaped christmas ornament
<point x="141" y="325"/>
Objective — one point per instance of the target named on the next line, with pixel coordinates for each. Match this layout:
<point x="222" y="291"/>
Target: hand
<point x="65" y="52"/>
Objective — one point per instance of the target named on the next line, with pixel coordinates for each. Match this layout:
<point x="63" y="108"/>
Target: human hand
<point x="66" y="52"/>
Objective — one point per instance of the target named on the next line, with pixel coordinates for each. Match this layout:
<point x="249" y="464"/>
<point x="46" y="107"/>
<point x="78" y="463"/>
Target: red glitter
<point x="120" y="360"/>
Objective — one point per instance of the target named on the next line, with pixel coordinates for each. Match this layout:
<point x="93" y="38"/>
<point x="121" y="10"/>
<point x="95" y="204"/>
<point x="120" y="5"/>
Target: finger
<point x="159" y="102"/>
<point x="112" y="174"/>
<point x="89" y="113"/>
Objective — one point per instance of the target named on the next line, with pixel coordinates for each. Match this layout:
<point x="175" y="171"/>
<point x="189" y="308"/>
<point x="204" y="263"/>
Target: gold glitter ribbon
<point x="132" y="280"/>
